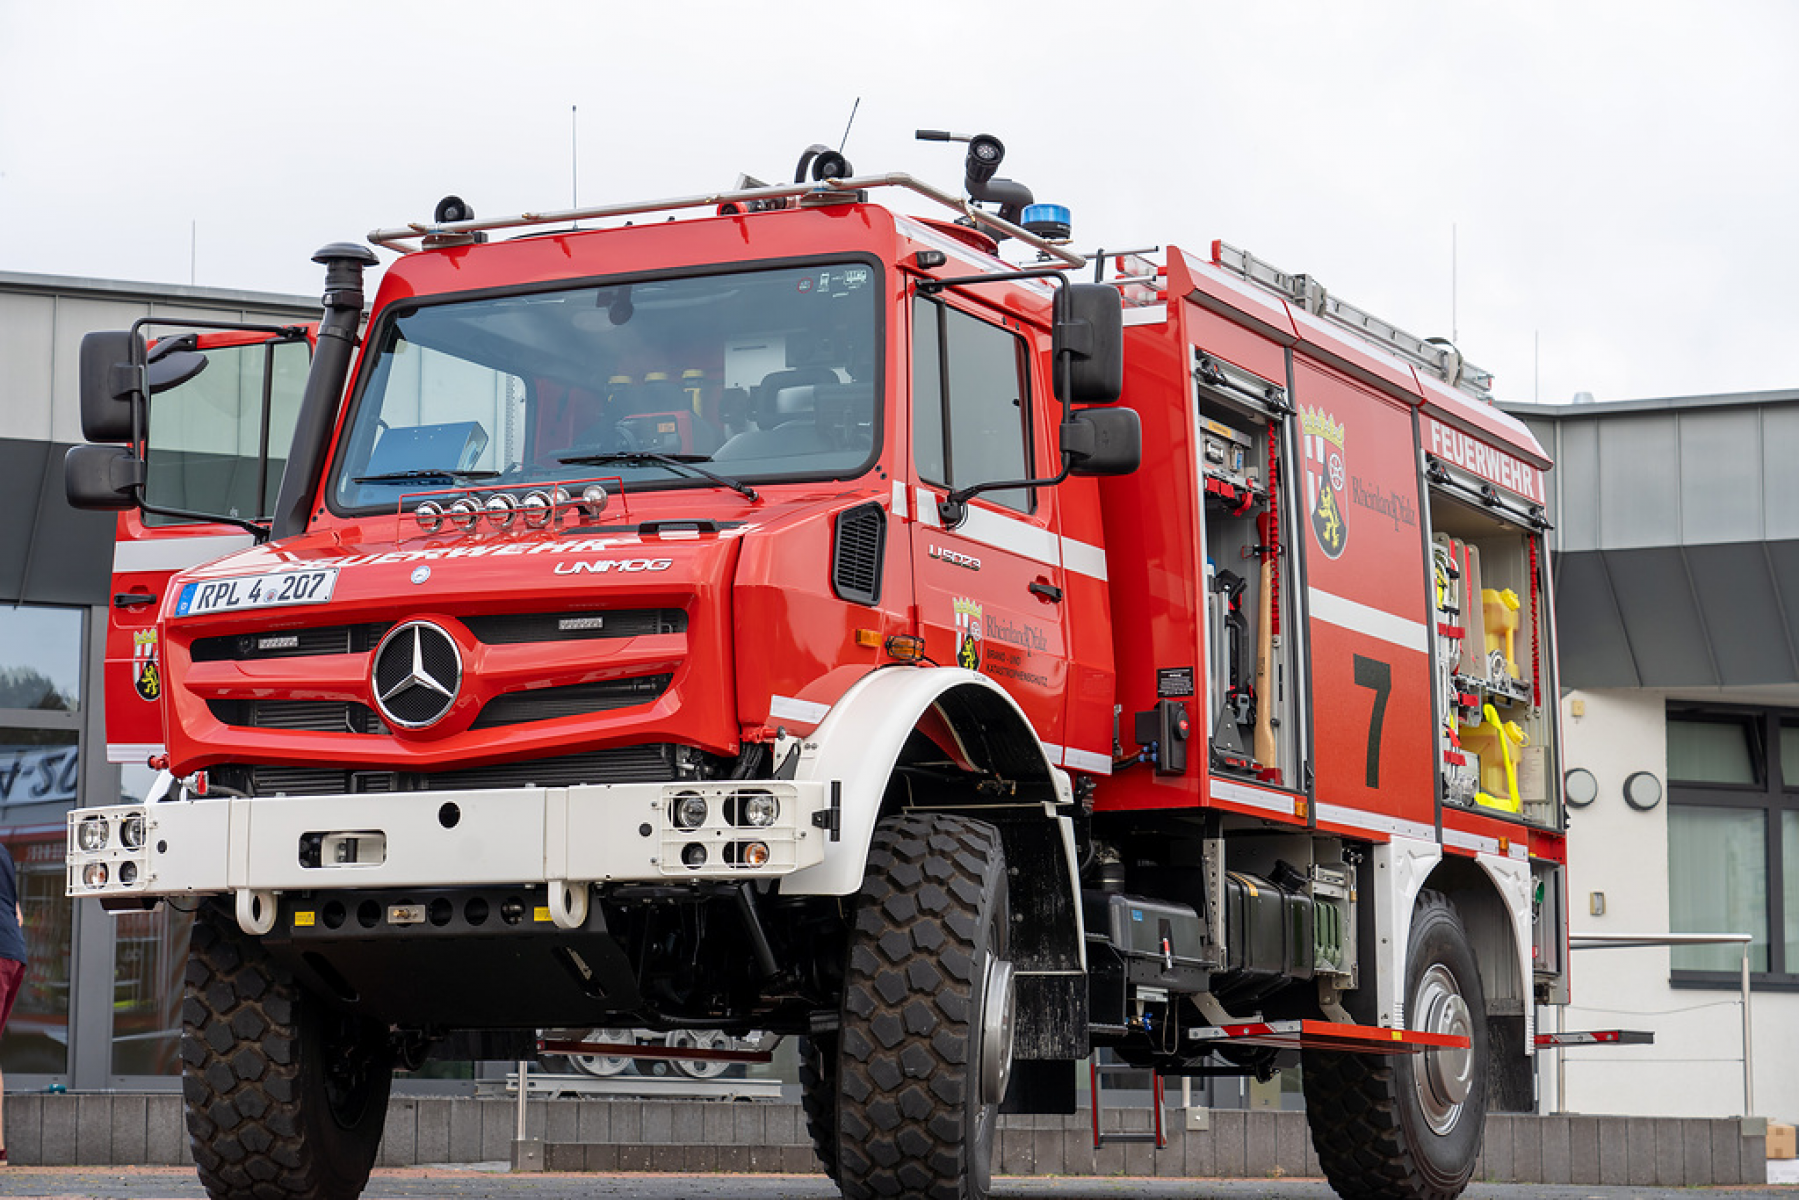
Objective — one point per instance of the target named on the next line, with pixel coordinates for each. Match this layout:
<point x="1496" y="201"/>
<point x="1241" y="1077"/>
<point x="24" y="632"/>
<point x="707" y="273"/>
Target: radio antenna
<point x="848" y="124"/>
<point x="574" y="159"/>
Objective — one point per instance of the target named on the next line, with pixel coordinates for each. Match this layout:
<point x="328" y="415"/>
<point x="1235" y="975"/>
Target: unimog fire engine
<point x="775" y="611"/>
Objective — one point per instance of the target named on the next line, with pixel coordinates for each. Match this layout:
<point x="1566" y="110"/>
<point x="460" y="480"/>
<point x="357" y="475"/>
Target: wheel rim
<point x="604" y="1066"/>
<point x="1443" y="1078"/>
<point x="699" y="1068"/>
<point x="998" y="1011"/>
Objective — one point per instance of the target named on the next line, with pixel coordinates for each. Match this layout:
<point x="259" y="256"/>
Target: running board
<point x="1598" y="1037"/>
<point x="681" y="1053"/>
<point x="1327" y="1035"/>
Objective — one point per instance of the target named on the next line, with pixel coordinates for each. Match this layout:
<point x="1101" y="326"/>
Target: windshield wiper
<point x="439" y="475"/>
<point x="681" y="464"/>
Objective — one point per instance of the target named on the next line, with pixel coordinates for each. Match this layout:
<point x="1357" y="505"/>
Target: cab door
<point x="216" y="444"/>
<point x="989" y="588"/>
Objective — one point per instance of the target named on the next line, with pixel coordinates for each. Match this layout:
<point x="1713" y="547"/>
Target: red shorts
<point x="12" y="979"/>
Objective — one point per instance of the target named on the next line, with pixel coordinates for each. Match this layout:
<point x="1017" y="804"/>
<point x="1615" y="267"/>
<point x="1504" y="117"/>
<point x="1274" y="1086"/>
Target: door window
<point x="218" y="442"/>
<point x="970" y="403"/>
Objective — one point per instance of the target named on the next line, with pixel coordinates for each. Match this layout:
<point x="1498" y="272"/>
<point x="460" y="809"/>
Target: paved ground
<point x="491" y="1180"/>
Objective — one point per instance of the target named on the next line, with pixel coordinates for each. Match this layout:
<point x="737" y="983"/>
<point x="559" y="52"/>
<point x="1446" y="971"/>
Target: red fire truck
<point x="774" y="610"/>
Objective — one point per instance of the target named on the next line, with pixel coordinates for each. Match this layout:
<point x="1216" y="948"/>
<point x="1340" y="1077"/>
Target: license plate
<point x="274" y="590"/>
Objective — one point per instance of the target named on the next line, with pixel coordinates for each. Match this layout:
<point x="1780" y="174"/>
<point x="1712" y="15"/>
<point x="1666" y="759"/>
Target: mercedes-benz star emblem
<point x="416" y="675"/>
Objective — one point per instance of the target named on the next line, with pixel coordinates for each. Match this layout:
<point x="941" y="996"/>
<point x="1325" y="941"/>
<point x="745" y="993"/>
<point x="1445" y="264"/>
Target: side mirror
<point x="1090" y="334"/>
<point x="1103" y="441"/>
<point x="110" y="387"/>
<point x="104" y="477"/>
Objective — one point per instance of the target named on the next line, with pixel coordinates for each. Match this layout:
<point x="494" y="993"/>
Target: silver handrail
<point x="398" y="239"/>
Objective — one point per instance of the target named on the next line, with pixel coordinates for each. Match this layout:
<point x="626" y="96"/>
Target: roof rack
<point x="1436" y="355"/>
<point x="830" y="191"/>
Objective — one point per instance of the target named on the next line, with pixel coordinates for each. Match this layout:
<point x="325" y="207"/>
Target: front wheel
<point x="286" y="1096"/>
<point x="1409" y="1126"/>
<point x="925" y="1043"/>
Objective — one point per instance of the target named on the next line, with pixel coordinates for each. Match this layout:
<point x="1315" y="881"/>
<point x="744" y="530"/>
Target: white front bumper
<point x="576" y="835"/>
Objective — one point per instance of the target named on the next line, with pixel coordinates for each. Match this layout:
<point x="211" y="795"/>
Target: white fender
<point x="1512" y="880"/>
<point x="1400" y="868"/>
<point x="856" y="746"/>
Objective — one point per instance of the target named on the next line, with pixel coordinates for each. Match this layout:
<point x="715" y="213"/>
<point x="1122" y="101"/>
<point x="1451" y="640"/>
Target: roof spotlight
<point x="985" y="153"/>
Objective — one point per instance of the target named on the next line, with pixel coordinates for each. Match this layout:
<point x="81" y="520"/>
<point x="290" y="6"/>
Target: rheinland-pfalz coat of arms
<point x="968" y="634"/>
<point x="1327" y="479"/>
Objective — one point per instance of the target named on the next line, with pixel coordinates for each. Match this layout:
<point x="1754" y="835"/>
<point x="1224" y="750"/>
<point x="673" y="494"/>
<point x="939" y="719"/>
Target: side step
<point x="1327" y="1035"/>
<point x="1598" y="1037"/>
<point x="1096" y="1072"/>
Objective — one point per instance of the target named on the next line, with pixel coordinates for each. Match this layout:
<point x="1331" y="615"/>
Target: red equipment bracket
<point x="1598" y="1037"/>
<point x="1329" y="1035"/>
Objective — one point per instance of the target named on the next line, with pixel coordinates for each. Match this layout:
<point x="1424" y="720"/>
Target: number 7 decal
<point x="1376" y="675"/>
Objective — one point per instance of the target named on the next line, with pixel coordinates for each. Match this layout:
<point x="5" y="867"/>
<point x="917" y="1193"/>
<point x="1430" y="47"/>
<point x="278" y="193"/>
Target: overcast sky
<point x="1590" y="196"/>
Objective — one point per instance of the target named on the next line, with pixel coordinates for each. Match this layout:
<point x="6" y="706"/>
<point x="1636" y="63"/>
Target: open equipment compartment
<point x="1250" y="703"/>
<point x="1496" y="732"/>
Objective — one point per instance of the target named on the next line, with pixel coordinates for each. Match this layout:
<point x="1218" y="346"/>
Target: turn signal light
<point x="904" y="647"/>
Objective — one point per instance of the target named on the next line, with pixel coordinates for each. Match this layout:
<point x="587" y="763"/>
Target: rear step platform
<point x="1327" y="1035"/>
<point x="1598" y="1037"/>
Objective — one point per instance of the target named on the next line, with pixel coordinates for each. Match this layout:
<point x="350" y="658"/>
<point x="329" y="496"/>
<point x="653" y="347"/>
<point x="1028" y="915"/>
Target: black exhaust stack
<point x="344" y="263"/>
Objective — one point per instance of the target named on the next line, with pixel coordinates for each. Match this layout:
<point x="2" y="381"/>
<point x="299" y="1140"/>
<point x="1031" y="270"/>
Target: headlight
<point x="92" y="836"/>
<point x="689" y="810"/>
<point x="131" y="832"/>
<point x="94" y="874"/>
<point x="430" y="516"/>
<point x="538" y="508"/>
<point x="760" y="809"/>
<point x="501" y="510"/>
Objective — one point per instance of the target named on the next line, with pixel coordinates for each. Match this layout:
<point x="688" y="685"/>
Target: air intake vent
<point x="291" y="643"/>
<point x="856" y="558"/>
<point x="508" y="629"/>
<point x="315" y="716"/>
<point x="543" y="704"/>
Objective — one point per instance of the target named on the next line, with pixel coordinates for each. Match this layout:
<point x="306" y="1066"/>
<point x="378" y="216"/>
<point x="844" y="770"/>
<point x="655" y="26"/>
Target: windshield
<point x="758" y="374"/>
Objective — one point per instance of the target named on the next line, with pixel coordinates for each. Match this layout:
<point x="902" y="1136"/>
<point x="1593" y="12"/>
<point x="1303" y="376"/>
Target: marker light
<point x="94" y="874"/>
<point x="755" y="854"/>
<point x="537" y="508"/>
<point x="502" y="510"/>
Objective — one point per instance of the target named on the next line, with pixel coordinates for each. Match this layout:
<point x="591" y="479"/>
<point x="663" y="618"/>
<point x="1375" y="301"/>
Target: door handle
<point x="131" y="599"/>
<point x="1046" y="591"/>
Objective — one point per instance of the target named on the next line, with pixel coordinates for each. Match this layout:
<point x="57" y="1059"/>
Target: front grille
<point x="291" y="643"/>
<point x="315" y="716"/>
<point x="629" y="764"/>
<point x="856" y="557"/>
<point x="510" y="629"/>
<point x="544" y="704"/>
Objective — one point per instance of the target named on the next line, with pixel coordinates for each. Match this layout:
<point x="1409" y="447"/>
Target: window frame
<point x="1772" y="797"/>
<point x="1026" y="403"/>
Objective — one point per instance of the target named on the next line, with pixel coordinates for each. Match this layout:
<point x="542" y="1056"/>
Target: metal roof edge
<point x="1661" y="404"/>
<point x="116" y="289"/>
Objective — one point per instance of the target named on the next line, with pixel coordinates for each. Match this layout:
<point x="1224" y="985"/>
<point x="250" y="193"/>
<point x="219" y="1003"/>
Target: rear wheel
<point x="925" y="1045"/>
<point x="1409" y="1126"/>
<point x="286" y="1097"/>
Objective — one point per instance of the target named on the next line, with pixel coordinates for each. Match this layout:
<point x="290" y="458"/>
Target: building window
<point x="1733" y="842"/>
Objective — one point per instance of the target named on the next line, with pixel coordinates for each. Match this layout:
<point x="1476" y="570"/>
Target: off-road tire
<point x="286" y="1098"/>
<point x="1369" y="1127"/>
<point x="818" y="1097"/>
<point x="931" y="920"/>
